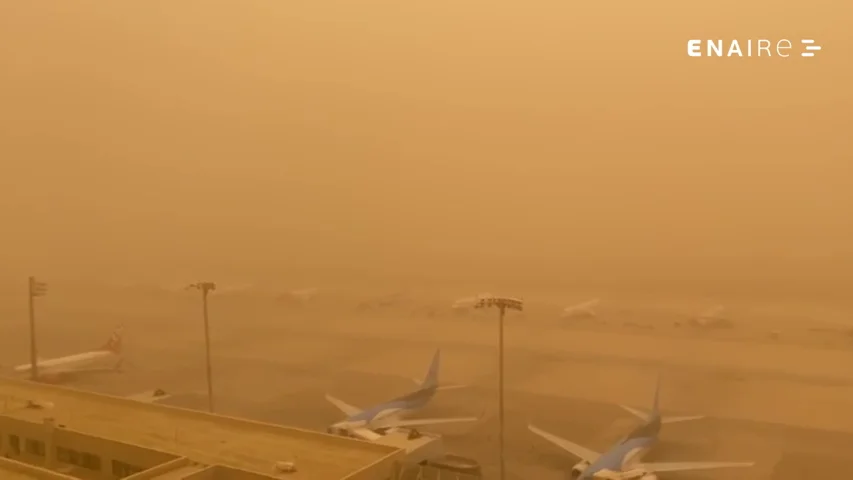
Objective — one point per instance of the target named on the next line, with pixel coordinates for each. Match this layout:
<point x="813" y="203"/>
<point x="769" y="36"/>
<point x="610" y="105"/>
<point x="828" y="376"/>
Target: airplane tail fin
<point x="655" y="411"/>
<point x="431" y="379"/>
<point x="114" y="343"/>
<point x="656" y="400"/>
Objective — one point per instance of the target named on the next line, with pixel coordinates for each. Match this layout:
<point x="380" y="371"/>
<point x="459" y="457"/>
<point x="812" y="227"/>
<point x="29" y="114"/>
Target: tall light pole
<point x="36" y="289"/>
<point x="502" y="304"/>
<point x="205" y="288"/>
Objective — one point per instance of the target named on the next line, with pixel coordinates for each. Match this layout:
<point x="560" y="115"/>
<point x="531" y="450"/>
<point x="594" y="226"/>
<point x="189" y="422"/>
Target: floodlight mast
<point x="206" y="288"/>
<point x="502" y="304"/>
<point x="36" y="289"/>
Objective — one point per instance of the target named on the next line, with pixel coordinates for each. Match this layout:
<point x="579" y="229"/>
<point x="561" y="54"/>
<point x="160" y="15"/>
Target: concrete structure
<point x="12" y="470"/>
<point x="51" y="432"/>
<point x="425" y="456"/>
<point x="418" y="448"/>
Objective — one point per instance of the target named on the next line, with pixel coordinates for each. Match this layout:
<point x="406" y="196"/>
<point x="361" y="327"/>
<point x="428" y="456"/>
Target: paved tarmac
<point x="279" y="371"/>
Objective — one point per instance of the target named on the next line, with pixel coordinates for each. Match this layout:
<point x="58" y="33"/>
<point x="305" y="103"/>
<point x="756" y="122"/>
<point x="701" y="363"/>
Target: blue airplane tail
<point x="654" y="414"/>
<point x="431" y="379"/>
<point x="656" y="400"/>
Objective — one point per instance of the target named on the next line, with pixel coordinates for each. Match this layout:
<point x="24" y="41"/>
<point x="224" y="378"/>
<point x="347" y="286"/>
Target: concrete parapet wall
<point x="54" y="392"/>
<point x="382" y="469"/>
<point x="219" y="472"/>
<point x="158" y="470"/>
<point x="31" y="470"/>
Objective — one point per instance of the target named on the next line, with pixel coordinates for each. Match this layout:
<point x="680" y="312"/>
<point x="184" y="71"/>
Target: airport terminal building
<point x="51" y="432"/>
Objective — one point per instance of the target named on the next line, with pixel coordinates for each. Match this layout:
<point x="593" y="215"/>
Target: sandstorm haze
<point x="575" y="142"/>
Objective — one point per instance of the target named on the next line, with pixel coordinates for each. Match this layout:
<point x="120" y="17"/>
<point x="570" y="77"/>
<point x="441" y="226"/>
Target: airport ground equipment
<point x="425" y="454"/>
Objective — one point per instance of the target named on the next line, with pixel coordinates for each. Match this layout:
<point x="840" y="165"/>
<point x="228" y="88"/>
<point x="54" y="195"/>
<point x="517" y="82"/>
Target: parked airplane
<point x="623" y="460"/>
<point x="370" y="424"/>
<point x="582" y="310"/>
<point x="300" y="296"/>
<point x="468" y="303"/>
<point x="107" y="358"/>
<point x="713" y="317"/>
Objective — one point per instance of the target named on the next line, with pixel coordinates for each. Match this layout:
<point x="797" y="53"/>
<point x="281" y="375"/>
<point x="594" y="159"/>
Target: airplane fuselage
<point x="621" y="457"/>
<point x="624" y="460"/>
<point x="627" y="453"/>
<point x="396" y="408"/>
<point x="71" y="363"/>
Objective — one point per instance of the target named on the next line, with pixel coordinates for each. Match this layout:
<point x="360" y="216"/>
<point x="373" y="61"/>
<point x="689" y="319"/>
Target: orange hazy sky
<point x="162" y="138"/>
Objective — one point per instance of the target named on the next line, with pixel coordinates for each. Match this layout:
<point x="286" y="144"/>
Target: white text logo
<point x="757" y="47"/>
<point x="810" y="47"/>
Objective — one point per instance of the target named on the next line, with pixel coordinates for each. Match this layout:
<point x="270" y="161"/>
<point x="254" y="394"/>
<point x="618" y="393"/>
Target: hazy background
<point x="574" y="141"/>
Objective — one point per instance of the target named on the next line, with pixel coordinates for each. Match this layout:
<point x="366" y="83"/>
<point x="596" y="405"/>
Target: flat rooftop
<point x="12" y="470"/>
<point x="200" y="436"/>
<point x="12" y="474"/>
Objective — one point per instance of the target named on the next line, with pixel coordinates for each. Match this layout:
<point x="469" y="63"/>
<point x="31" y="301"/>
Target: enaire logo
<point x="753" y="47"/>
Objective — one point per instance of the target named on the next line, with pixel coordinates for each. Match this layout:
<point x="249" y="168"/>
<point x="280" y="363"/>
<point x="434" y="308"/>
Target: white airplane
<point x="623" y="461"/>
<point x="715" y="316"/>
<point x="582" y="310"/>
<point x="107" y="358"/>
<point x="372" y="423"/>
<point x="468" y="303"/>
<point x="305" y="293"/>
<point x="299" y="296"/>
<point x="236" y="289"/>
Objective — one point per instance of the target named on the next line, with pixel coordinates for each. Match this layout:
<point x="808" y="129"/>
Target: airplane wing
<point x="666" y="419"/>
<point x="577" y="450"/>
<point x="589" y="304"/>
<point x="348" y="409"/>
<point x="365" y="434"/>
<point x="637" y="413"/>
<point x="450" y="387"/>
<point x="685" y="466"/>
<point x="85" y="370"/>
<point x="420" y="381"/>
<point x="418" y="422"/>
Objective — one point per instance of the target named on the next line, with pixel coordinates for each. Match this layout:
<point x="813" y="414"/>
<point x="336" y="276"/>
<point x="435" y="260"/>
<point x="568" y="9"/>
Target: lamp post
<point x="502" y="304"/>
<point x="36" y="289"/>
<point x="205" y="288"/>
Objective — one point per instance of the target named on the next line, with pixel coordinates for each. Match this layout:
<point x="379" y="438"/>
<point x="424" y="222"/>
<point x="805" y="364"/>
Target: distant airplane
<point x="623" y="460"/>
<point x="386" y="301"/>
<point x="304" y="294"/>
<point x="107" y="358"/>
<point x="582" y="310"/>
<point x="369" y="424"/>
<point x="468" y="303"/>
<point x="235" y="289"/>
<point x="712" y="317"/>
<point x="299" y="296"/>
